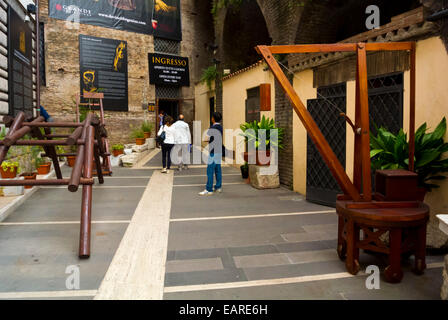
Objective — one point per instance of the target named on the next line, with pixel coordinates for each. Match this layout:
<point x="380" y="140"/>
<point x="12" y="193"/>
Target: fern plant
<point x="209" y="75"/>
<point x="389" y="151"/>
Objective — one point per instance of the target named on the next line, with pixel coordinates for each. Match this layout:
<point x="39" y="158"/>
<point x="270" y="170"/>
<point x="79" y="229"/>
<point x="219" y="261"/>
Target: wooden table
<point x="405" y="222"/>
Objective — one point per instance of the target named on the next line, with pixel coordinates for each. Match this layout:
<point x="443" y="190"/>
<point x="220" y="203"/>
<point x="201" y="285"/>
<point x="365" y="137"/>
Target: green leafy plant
<point x="11" y="166"/>
<point x="146" y="126"/>
<point x="209" y="75"/>
<point x="40" y="161"/>
<point x="250" y="133"/>
<point x="2" y="133"/>
<point x="117" y="147"/>
<point x="389" y="151"/>
<point x="137" y="133"/>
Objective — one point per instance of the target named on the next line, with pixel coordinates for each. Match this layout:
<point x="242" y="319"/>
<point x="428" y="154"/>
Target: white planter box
<point x="443" y="222"/>
<point x="12" y="191"/>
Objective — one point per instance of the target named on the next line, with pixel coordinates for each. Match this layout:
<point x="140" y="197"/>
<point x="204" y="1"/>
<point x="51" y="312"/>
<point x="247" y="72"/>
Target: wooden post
<point x="311" y="127"/>
<point x="86" y="206"/>
<point x="357" y="162"/>
<point x="412" y="109"/>
<point x="365" y="122"/>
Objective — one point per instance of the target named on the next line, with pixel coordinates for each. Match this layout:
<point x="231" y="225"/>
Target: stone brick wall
<point x="444" y="294"/>
<point x="62" y="67"/>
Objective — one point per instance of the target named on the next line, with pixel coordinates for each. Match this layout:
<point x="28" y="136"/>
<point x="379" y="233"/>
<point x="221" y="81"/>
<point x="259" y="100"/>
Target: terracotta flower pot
<point x="116" y="153"/>
<point x="140" y="141"/>
<point x="29" y="176"/>
<point x="259" y="156"/>
<point x="8" y="174"/>
<point x="71" y="161"/>
<point x="147" y="135"/>
<point x="44" y="169"/>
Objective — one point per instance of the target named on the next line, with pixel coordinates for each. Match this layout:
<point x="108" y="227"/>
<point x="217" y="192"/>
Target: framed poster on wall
<point x="20" y="73"/>
<point x="159" y="17"/>
<point x="104" y="68"/>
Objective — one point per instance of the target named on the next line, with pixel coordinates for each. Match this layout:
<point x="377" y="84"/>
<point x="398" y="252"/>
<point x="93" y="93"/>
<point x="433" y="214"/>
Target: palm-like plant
<point x="389" y="151"/>
<point x="274" y="135"/>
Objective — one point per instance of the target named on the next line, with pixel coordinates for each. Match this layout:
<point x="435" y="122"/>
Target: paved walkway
<point x="156" y="238"/>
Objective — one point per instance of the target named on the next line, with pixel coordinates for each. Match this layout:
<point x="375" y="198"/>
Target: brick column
<point x="284" y="119"/>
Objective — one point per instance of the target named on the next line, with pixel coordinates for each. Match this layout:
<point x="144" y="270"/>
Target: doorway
<point x="170" y="107"/>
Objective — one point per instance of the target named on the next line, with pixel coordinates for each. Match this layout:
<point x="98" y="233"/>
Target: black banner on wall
<point x="168" y="70"/>
<point x="161" y="17"/>
<point x="20" y="68"/>
<point x="104" y="68"/>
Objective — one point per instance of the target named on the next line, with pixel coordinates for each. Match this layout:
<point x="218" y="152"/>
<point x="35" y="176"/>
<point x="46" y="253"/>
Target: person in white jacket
<point x="183" y="140"/>
<point x="168" y="143"/>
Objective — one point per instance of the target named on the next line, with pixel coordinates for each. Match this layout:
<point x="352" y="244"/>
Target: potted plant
<point x="274" y="138"/>
<point x="43" y="166"/>
<point x="139" y="136"/>
<point x="9" y="169"/>
<point x="147" y="129"/>
<point x="391" y="152"/>
<point x="117" y="149"/>
<point x="71" y="159"/>
<point x="29" y="176"/>
<point x="30" y="166"/>
<point x="245" y="171"/>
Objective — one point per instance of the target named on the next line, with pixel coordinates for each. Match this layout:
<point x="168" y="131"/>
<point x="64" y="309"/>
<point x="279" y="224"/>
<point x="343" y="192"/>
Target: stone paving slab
<point x="35" y="258"/>
<point x="416" y="287"/>
<point x="61" y="205"/>
<point x="237" y="200"/>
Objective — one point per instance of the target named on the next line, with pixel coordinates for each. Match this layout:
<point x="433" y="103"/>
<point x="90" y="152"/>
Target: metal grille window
<point x="165" y="92"/>
<point x="166" y="46"/>
<point x="253" y="105"/>
<point x="386" y="102"/>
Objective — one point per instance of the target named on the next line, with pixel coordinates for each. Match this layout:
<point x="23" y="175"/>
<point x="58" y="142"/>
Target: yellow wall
<point x="431" y="102"/>
<point x="303" y="84"/>
<point x="234" y="99"/>
<point x="202" y="96"/>
<point x="235" y="95"/>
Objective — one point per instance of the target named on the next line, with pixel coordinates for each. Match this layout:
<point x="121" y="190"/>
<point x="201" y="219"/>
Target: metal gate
<point x="321" y="187"/>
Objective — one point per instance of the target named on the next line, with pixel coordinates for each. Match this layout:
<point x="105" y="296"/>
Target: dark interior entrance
<point x="171" y="107"/>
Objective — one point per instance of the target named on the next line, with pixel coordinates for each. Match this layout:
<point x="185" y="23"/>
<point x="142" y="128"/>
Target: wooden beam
<point x="311" y="48"/>
<point x="339" y="47"/>
<point x="310" y="125"/>
<point x="412" y="109"/>
<point x="389" y="46"/>
<point x="365" y="122"/>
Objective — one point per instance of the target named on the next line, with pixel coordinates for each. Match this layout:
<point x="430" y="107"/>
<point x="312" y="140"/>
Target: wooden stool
<point x="405" y="222"/>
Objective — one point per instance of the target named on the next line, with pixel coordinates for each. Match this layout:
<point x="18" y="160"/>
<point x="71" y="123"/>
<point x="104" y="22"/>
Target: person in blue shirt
<point x="215" y="149"/>
<point x="45" y="114"/>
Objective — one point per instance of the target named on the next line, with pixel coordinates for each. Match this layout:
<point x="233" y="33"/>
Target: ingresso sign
<point x="168" y="70"/>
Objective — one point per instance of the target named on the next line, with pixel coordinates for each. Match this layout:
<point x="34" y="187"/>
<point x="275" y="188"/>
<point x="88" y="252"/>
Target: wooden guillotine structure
<point x="90" y="139"/>
<point x="390" y="208"/>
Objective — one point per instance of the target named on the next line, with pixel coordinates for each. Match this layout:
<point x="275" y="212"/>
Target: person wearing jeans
<point x="168" y="143"/>
<point x="215" y="156"/>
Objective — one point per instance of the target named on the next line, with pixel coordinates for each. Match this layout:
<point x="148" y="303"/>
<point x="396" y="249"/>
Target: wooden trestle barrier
<point x="90" y="138"/>
<point x="360" y="208"/>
